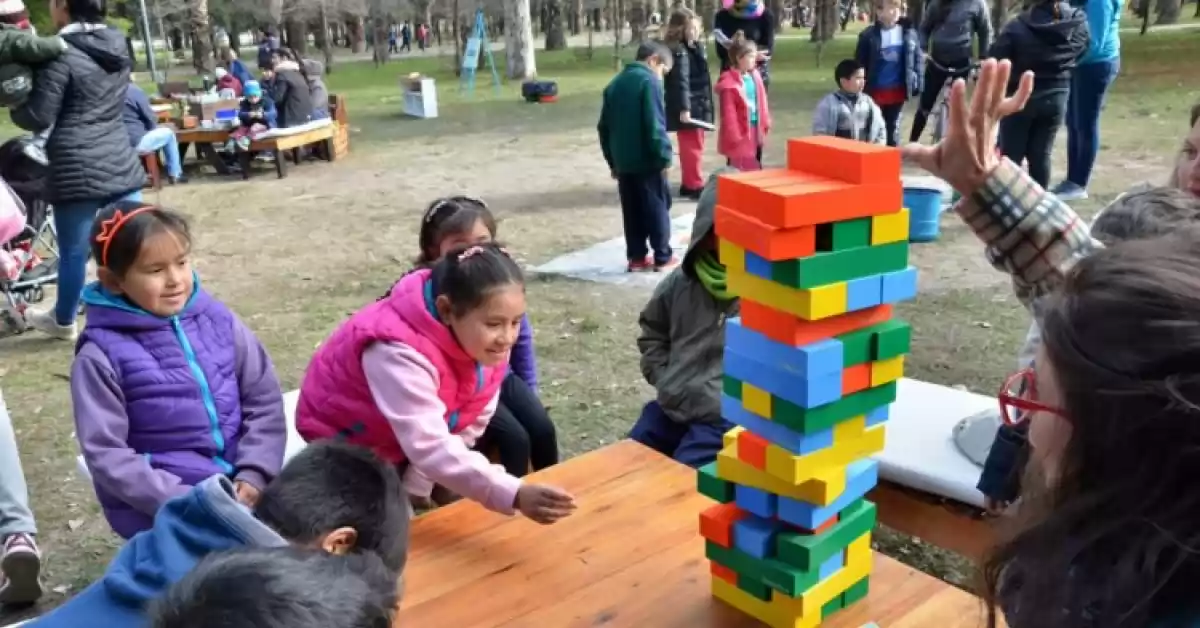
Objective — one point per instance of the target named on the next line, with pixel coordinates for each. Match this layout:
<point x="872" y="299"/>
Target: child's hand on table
<point x="544" y="504"/>
<point x="246" y="493"/>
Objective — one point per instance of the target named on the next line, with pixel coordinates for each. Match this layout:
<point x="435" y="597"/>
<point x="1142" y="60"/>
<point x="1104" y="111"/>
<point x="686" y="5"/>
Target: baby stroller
<point x="34" y="248"/>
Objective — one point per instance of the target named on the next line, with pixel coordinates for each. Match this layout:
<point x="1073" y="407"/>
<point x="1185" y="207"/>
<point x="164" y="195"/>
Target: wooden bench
<point x="937" y="521"/>
<point x="321" y="137"/>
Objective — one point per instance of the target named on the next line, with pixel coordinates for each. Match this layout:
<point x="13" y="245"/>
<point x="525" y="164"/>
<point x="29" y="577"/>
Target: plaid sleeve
<point x="1028" y="232"/>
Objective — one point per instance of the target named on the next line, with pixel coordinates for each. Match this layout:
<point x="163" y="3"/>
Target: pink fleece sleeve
<point x="404" y="386"/>
<point x="418" y="484"/>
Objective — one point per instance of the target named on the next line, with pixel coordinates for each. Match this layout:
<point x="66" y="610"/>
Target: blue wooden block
<point x="830" y="567"/>
<point x="864" y="292"/>
<point x="861" y="476"/>
<point x="733" y="410"/>
<point x="756" y="536"/>
<point x="758" y="266"/>
<point x="815" y="389"/>
<point x="878" y="415"/>
<point x="755" y="501"/>
<point x="900" y="285"/>
<point x="824" y="356"/>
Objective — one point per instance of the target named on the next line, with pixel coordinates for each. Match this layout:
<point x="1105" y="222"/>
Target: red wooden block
<point x="856" y="378"/>
<point x="721" y="571"/>
<point x="767" y="241"/>
<point x="845" y="160"/>
<point x="752" y="448"/>
<point x="716" y="523"/>
<point x="796" y="332"/>
<point x="824" y="527"/>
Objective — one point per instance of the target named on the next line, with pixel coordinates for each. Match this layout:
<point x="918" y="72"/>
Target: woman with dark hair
<point x="288" y="87"/>
<point x="92" y="164"/>
<point x="1186" y="173"/>
<point x="756" y="22"/>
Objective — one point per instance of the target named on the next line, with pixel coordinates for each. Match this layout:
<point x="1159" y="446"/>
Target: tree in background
<point x="556" y="39"/>
<point x="518" y="40"/>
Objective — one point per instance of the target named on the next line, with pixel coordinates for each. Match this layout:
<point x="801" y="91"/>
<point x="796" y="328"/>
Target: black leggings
<point x="1028" y="135"/>
<point x="935" y="80"/>
<point x="521" y="429"/>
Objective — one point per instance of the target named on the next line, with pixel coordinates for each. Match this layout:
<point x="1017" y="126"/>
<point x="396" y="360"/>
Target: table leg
<point x="213" y="158"/>
<point x="280" y="163"/>
<point x="244" y="160"/>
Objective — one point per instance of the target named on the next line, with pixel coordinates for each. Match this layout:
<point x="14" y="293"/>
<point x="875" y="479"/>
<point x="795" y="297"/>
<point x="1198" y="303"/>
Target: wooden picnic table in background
<point x="204" y="140"/>
<point x="631" y="555"/>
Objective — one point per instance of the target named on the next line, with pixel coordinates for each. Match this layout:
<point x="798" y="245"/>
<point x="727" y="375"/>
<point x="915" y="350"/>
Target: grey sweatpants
<point x="15" y="515"/>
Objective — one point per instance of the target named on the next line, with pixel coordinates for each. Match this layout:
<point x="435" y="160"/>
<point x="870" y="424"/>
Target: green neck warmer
<point x="712" y="275"/>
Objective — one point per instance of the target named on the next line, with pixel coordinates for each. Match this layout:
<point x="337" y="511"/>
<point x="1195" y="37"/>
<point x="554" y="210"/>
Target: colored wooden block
<point x="861" y="476"/>
<point x="815" y="389"/>
<point x="730" y="438"/>
<point x="737" y="192"/>
<point x="900" y="285"/>
<point x="721" y="571"/>
<point x="810" y="420"/>
<point x="759" y="175"/>
<point x="762" y="611"/>
<point x="810" y="200"/>
<point x="810" y="303"/>
<point x="711" y="486"/>
<point x="731" y="255"/>
<point x="887" y="228"/>
<point x="856" y="592"/>
<point x="752" y="449"/>
<point x="858" y="566"/>
<point x="756" y="536"/>
<point x="756" y="400"/>
<point x="878" y="416"/>
<point x="809" y="551"/>
<point x="890" y="339"/>
<point x="831" y="566"/>
<point x="832" y="607"/>
<point x="856" y="378"/>
<point x="850" y="442"/>
<point x="755" y="501"/>
<point x="716" y="523"/>
<point x="857" y="346"/>
<point x="885" y="371"/>
<point x="788" y="329"/>
<point x="845" y="160"/>
<point x="755" y="264"/>
<point x="754" y="587"/>
<point x="847" y="234"/>
<point x="784" y="578"/>
<point x="767" y="241"/>
<point x="821" y="269"/>
<point x="864" y="292"/>
<point x="821" y="529"/>
<point x="732" y="388"/>
<point x="822" y="356"/>
<point x="823" y="489"/>
<point x="740" y="414"/>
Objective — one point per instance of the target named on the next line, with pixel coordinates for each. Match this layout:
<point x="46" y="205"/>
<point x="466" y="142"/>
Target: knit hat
<point x="251" y="89"/>
<point x="8" y="7"/>
<point x="219" y="72"/>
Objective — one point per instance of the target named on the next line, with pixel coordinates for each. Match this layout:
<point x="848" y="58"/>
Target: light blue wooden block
<point x="732" y="410"/>
<point x="864" y="292"/>
<point x="900" y="285"/>
<point x="861" y="476"/>
<point x="755" y="501"/>
<point x="806" y="391"/>
<point x="824" y="356"/>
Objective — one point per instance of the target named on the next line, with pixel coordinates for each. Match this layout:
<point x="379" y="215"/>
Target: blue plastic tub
<point x="924" y="209"/>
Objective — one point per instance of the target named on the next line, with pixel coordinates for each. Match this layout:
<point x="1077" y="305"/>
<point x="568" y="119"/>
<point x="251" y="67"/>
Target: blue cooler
<point x="924" y="211"/>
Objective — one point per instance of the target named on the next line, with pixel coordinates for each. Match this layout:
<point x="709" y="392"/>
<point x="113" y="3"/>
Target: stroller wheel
<point x="36" y="295"/>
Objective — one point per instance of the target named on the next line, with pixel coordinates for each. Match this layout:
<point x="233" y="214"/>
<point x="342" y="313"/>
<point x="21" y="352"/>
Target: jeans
<point x="691" y="153"/>
<point x="693" y="444"/>
<point x="891" y="122"/>
<point x="73" y="221"/>
<point x="163" y="139"/>
<point x="1089" y="85"/>
<point x="15" y="516"/>
<point x="935" y="80"/>
<point x="521" y="429"/>
<point x="646" y="211"/>
<point x="1029" y="134"/>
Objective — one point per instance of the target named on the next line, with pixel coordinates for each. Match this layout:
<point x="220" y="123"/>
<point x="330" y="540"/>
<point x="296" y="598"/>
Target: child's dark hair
<point x="1112" y="540"/>
<point x="739" y="47"/>
<point x="446" y="217"/>
<point x="655" y="49"/>
<point x="845" y="69"/>
<point x="468" y="275"/>
<point x="120" y="230"/>
<point x="282" y="587"/>
<point x="1146" y="214"/>
<point x="331" y="485"/>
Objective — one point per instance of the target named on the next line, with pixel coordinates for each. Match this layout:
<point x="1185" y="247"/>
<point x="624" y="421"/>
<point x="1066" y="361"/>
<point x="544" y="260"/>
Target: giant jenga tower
<point x="818" y="253"/>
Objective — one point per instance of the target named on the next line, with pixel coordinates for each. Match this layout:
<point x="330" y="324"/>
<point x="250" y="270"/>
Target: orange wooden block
<point x="845" y="160"/>
<point x="767" y="241"/>
<point x="856" y="378"/>
<point x="813" y="201"/>
<point x="716" y="523"/>
<point x="793" y="331"/>
<point x="721" y="571"/>
<point x="758" y="175"/>
<point x="821" y="529"/>
<point x="752" y="448"/>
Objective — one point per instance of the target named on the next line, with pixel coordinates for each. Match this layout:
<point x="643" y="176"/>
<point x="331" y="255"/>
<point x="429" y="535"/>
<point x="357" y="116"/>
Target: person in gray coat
<point x="81" y="95"/>
<point x="946" y="32"/>
<point x="682" y="343"/>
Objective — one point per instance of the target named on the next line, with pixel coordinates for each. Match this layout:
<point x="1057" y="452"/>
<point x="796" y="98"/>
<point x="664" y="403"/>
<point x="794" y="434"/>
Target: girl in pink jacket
<point x="745" y="116"/>
<point x="416" y="374"/>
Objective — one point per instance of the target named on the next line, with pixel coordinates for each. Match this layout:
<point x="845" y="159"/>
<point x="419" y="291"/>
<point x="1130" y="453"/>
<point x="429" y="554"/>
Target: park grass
<point x="295" y="257"/>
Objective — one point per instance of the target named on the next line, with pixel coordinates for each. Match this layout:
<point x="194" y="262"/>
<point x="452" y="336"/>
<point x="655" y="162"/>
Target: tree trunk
<point x="637" y="21"/>
<point x="354" y="27"/>
<point x="379" y="45"/>
<point x="825" y="24"/>
<point x="617" y="13"/>
<point x="323" y="41"/>
<point x="202" y="52"/>
<point x="1168" y="11"/>
<point x="518" y="40"/>
<point x="776" y="7"/>
<point x="556" y="39"/>
<point x="297" y="34"/>
<point x="999" y="13"/>
<point x="706" y="9"/>
<point x="456" y="28"/>
<point x="576" y="17"/>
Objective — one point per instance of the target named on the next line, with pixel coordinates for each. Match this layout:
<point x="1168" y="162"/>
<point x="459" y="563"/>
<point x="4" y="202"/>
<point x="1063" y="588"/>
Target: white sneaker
<point x="45" y="323"/>
<point x="20" y="571"/>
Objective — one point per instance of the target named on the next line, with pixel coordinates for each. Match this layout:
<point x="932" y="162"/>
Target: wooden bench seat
<point x="321" y="138"/>
<point x="938" y="521"/>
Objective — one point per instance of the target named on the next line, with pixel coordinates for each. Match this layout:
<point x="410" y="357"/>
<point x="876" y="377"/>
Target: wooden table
<point x="630" y="556"/>
<point x="204" y="140"/>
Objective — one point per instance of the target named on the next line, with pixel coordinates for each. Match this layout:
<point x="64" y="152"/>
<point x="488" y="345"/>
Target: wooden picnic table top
<point x="200" y="135"/>
<point x="631" y="555"/>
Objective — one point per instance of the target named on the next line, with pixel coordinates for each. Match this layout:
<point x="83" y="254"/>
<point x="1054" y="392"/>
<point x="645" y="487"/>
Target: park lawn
<point x="295" y="257"/>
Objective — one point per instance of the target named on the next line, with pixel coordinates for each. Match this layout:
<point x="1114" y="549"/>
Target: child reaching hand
<point x="745" y="116"/>
<point x="408" y="375"/>
<point x="169" y="387"/>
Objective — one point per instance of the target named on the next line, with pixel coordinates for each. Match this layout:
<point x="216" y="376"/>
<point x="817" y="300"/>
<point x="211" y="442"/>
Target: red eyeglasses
<point x="1018" y="398"/>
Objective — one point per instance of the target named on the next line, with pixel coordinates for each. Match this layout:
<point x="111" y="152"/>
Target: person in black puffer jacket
<point x="1047" y="39"/>
<point x="946" y="32"/>
<point x="288" y="87"/>
<point x="688" y="97"/>
<point x="92" y="164"/>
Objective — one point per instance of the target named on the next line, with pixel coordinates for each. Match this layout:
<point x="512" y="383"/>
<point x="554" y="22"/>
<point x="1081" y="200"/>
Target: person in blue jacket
<point x="1090" y="80"/>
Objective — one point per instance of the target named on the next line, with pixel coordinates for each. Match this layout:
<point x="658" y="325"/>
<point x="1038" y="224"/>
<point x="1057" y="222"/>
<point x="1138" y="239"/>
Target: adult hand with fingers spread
<point x="967" y="154"/>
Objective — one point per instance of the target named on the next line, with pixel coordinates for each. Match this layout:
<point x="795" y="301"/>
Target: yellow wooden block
<point x="764" y="612"/>
<point x="732" y="256"/>
<point x="888" y="228"/>
<point x="847" y="447"/>
<point x="858" y="566"/>
<point x="887" y="371"/>
<point x="730" y="437"/>
<point x="756" y="400"/>
<point x="820" y="489"/>
<point x="809" y="304"/>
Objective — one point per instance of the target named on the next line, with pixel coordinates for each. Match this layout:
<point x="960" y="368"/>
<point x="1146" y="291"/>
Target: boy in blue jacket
<point x="332" y="496"/>
<point x="890" y="52"/>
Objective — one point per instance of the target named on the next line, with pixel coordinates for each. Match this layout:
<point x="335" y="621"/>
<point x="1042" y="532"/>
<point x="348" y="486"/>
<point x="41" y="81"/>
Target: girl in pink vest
<point x="412" y="375"/>
<point x="745" y="116"/>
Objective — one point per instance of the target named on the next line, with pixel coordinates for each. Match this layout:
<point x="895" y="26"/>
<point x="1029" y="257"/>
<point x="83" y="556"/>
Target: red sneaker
<point x="639" y="265"/>
<point x="667" y="265"/>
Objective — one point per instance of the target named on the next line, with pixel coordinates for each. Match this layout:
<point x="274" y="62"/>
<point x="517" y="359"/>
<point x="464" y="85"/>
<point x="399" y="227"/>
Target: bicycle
<point x="940" y="112"/>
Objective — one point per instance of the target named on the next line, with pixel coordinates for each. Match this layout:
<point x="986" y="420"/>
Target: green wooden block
<point x="778" y="575"/>
<point x="857" y="346"/>
<point x="821" y="269"/>
<point x="712" y="486"/>
<point x="856" y="592"/>
<point x="809" y="551"/>
<point x="832" y="607"/>
<point x="809" y="420"/>
<point x="892" y="338"/>
<point x="731" y="387"/>
<point x="755" y="587"/>
<point x="847" y="234"/>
